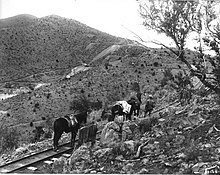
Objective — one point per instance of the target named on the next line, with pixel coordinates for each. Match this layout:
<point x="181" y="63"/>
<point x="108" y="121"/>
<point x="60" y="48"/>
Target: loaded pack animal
<point x="67" y="124"/>
<point x="122" y="108"/>
<point x="135" y="106"/>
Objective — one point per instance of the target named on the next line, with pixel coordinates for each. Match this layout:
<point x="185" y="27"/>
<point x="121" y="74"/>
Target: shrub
<point x="167" y="76"/>
<point x="38" y="132"/>
<point x="9" y="139"/>
<point x="80" y="103"/>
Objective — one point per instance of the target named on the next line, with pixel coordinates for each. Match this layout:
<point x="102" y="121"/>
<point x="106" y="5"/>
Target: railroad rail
<point x="34" y="158"/>
<point x="29" y="160"/>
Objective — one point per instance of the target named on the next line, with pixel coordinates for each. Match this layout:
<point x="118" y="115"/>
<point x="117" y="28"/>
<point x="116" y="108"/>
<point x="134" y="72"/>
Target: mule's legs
<point x="138" y="111"/>
<point x="128" y="116"/>
<point x="56" y="138"/>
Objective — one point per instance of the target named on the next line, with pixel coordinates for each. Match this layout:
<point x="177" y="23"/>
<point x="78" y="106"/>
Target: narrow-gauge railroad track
<point x="29" y="160"/>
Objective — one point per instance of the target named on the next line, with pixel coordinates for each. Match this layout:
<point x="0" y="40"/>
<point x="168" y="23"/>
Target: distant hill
<point x="46" y="44"/>
<point x="16" y="21"/>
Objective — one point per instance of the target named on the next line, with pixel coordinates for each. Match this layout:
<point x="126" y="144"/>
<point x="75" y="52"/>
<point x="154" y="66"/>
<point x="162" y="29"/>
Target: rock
<point x="145" y="161"/>
<point x="127" y="148"/>
<point x="32" y="168"/>
<point x="130" y="130"/>
<point x="143" y="171"/>
<point x="179" y="139"/>
<point x="147" y="123"/>
<point x="150" y="148"/>
<point x="66" y="155"/>
<point x="82" y="153"/>
<point x="110" y="134"/>
<point x="20" y="151"/>
<point x="130" y="145"/>
<point x="102" y="153"/>
<point x="128" y="168"/>
<point x="48" y="162"/>
<point x="126" y="131"/>
<point x="120" y="157"/>
<point x="59" y="165"/>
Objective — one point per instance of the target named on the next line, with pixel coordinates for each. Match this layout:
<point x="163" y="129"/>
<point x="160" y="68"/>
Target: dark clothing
<point x="149" y="107"/>
<point x="139" y="96"/>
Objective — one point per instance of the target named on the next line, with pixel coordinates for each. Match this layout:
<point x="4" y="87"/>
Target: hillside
<point x="47" y="49"/>
<point x="47" y="44"/>
<point x="47" y="63"/>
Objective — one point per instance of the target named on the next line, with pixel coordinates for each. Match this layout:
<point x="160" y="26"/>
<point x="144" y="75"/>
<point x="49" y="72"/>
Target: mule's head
<point x="133" y="101"/>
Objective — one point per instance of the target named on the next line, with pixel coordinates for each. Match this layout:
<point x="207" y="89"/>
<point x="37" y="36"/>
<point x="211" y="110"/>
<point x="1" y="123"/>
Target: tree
<point x="178" y="19"/>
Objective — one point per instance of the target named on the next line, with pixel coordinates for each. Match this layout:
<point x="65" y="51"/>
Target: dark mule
<point x="106" y="113"/>
<point x="135" y="106"/>
<point x="65" y="124"/>
<point x="117" y="109"/>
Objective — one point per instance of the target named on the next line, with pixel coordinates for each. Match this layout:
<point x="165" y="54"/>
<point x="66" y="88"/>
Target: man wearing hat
<point x="150" y="104"/>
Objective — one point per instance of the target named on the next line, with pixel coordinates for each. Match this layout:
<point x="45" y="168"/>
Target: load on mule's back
<point x="122" y="108"/>
<point x="72" y="122"/>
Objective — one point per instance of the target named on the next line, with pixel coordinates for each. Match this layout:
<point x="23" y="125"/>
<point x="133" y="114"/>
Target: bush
<point x="167" y="76"/>
<point x="9" y="139"/>
<point x="80" y="103"/>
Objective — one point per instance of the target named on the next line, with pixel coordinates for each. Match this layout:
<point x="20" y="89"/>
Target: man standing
<point x="150" y="104"/>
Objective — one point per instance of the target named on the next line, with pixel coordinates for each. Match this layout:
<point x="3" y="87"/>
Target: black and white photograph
<point x="110" y="86"/>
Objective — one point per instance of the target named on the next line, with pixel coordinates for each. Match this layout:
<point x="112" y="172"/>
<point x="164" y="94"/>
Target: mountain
<point x="46" y="44"/>
<point x="49" y="48"/>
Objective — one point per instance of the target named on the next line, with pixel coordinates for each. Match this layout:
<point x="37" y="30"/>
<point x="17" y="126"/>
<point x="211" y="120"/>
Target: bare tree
<point x="178" y="19"/>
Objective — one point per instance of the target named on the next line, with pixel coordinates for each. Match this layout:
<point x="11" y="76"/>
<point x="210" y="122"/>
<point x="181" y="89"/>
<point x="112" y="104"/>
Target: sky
<point x="116" y="17"/>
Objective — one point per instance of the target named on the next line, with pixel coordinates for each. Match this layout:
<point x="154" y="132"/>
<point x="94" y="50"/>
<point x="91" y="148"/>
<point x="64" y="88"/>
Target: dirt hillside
<point x="47" y="49"/>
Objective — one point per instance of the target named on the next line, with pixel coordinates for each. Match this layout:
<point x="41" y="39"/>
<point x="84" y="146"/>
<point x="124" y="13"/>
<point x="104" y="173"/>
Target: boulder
<point x="143" y="171"/>
<point x="103" y="154"/>
<point x="110" y="133"/>
<point x="80" y="155"/>
<point x="147" y="123"/>
<point x="130" y="145"/>
<point x="128" y="168"/>
<point x="60" y="166"/>
<point x="130" y="130"/>
<point x="128" y="148"/>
